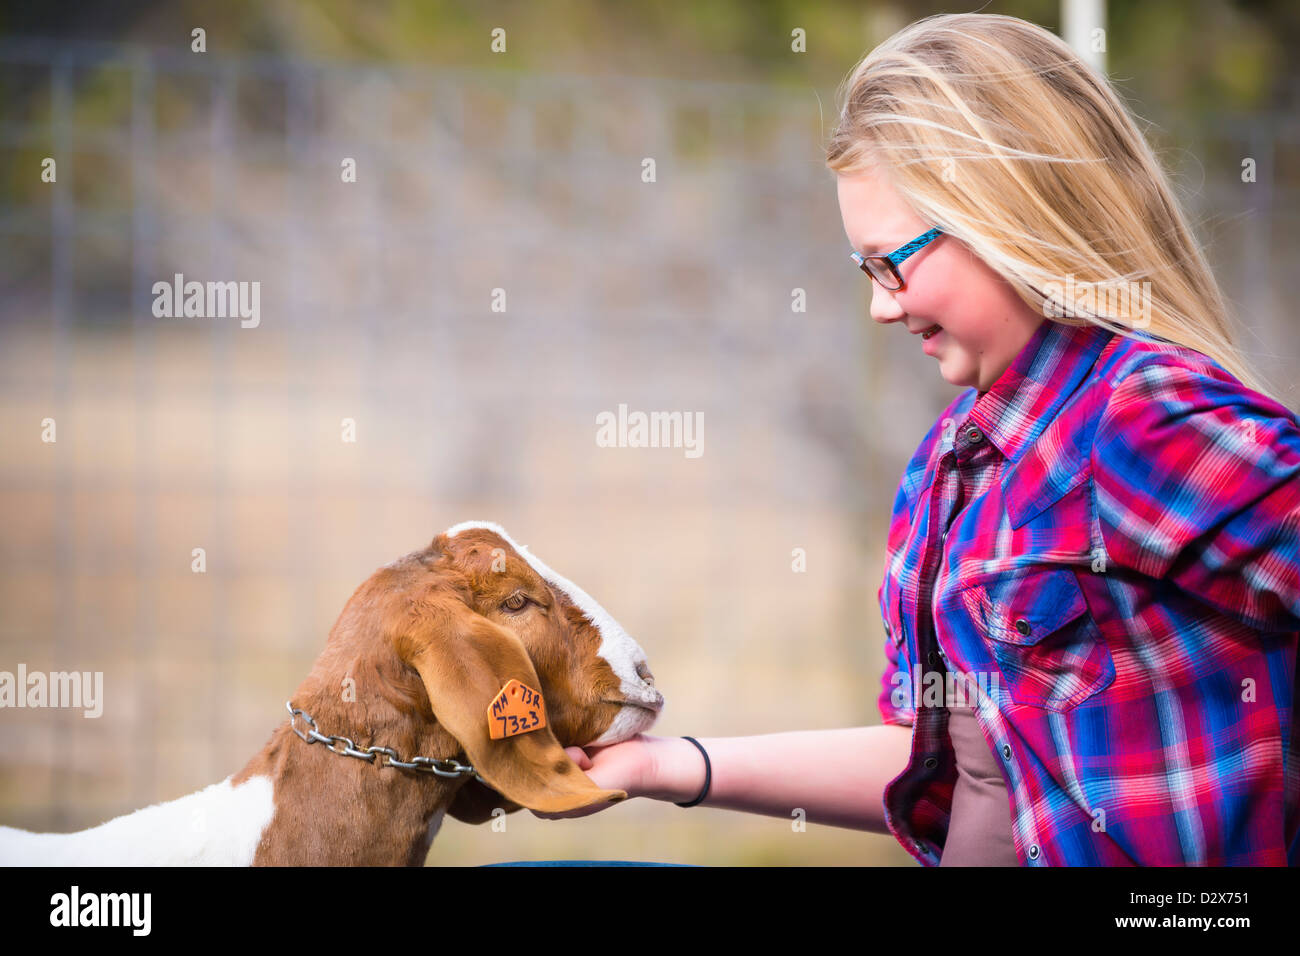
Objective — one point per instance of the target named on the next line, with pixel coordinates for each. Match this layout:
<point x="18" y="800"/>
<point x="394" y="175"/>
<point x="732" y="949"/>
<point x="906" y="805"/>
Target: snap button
<point x="1006" y="751"/>
<point x="933" y="658"/>
<point x="1033" y="851"/>
<point x="1023" y="626"/>
<point x="931" y="763"/>
<point x="973" y="434"/>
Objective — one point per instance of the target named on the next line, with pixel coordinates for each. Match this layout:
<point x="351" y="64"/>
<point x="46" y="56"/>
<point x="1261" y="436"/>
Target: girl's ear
<point x="464" y="661"/>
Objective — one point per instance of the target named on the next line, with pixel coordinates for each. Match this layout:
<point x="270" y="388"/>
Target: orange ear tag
<point x="517" y="709"/>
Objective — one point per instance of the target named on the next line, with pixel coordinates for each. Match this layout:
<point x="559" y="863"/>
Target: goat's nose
<point x="643" y="672"/>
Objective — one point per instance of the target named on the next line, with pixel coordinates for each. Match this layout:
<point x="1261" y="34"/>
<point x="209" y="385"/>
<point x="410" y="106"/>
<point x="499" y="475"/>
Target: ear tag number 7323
<point x="516" y="709"/>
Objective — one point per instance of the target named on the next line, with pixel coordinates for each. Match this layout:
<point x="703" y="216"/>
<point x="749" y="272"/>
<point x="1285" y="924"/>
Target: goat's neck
<point x="332" y="809"/>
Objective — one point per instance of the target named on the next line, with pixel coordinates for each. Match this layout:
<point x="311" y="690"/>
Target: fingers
<point x="579" y="756"/>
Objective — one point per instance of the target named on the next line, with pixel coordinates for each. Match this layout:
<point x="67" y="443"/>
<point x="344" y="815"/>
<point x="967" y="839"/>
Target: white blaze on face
<point x="624" y="655"/>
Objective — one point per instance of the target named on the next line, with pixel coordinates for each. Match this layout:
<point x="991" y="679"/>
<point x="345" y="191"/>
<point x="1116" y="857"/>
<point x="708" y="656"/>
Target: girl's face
<point x="983" y="323"/>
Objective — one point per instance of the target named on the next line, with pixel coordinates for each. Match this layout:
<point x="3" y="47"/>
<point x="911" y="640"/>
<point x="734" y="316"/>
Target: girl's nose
<point x="884" y="307"/>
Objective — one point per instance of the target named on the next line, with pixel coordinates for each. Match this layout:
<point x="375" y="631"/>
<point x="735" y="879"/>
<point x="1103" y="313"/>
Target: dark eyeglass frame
<point x="886" y="267"/>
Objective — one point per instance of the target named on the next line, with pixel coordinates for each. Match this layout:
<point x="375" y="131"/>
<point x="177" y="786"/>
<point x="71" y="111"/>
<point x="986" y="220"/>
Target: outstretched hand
<point x="621" y="766"/>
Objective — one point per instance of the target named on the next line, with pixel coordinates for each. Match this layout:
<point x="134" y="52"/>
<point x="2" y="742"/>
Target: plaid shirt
<point x="1103" y="547"/>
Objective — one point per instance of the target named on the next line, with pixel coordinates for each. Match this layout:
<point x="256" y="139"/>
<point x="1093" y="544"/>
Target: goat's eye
<point x="516" y="601"/>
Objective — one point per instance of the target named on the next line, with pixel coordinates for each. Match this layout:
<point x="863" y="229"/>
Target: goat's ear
<point x="464" y="660"/>
<point x="474" y="803"/>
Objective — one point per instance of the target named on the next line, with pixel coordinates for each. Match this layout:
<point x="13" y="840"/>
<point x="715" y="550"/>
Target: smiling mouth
<point x="931" y="332"/>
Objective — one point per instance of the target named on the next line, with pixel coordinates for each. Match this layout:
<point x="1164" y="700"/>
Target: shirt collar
<point x="1046" y="371"/>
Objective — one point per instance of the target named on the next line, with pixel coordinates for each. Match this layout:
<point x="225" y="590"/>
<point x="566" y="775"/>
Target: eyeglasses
<point x="884" y="269"/>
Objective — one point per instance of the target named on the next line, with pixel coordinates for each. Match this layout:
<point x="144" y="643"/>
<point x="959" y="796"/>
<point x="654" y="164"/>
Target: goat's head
<point x="445" y="628"/>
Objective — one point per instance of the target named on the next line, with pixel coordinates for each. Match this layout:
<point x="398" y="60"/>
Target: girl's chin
<point x="957" y="377"/>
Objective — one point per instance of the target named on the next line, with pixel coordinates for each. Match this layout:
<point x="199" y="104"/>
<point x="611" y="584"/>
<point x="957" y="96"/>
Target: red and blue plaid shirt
<point x="1101" y="553"/>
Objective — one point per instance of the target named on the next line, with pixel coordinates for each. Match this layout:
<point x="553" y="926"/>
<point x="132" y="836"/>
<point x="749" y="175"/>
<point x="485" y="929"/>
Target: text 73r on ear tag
<point x="517" y="709"/>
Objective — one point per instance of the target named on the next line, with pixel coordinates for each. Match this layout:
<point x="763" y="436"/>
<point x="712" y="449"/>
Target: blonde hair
<point x="994" y="130"/>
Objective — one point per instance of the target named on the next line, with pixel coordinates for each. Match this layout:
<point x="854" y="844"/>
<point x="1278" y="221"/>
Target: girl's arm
<point x="837" y="777"/>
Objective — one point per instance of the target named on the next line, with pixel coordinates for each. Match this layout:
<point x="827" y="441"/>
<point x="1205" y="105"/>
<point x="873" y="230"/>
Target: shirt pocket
<point x="1036" y="624"/>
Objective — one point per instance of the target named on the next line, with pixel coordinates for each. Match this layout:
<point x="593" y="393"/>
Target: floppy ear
<point x="464" y="660"/>
<point x="474" y="803"/>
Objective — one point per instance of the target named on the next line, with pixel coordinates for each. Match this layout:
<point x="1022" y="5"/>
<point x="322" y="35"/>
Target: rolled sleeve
<point x="895" y="700"/>
<point x="894" y="687"/>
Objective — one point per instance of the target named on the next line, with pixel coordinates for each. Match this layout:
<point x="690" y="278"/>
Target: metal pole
<point x="1083" y="26"/>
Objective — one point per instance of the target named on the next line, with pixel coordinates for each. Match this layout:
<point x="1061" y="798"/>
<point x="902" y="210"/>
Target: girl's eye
<point x="516" y="601"/>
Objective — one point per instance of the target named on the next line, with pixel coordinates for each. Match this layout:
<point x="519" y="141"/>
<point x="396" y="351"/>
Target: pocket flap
<point x="1028" y="491"/>
<point x="1025" y="608"/>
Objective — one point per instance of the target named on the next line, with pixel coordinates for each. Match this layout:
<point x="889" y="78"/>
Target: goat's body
<point x="272" y="812"/>
<point x="220" y="825"/>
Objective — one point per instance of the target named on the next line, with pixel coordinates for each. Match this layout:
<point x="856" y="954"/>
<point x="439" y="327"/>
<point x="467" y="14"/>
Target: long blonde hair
<point x="994" y="130"/>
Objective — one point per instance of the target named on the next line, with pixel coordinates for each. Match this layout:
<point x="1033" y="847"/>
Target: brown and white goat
<point x="413" y="664"/>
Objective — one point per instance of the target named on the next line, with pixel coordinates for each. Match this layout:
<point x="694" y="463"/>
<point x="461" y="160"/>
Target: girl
<point x="1091" y="602"/>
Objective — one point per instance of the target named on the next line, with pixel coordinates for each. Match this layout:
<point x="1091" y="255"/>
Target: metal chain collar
<point x="440" y="767"/>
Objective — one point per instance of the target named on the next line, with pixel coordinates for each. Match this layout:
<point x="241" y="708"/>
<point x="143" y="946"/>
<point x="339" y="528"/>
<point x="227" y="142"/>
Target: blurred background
<point x="477" y="171"/>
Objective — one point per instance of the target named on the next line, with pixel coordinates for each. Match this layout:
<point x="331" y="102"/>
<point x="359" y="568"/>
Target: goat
<point x="415" y="660"/>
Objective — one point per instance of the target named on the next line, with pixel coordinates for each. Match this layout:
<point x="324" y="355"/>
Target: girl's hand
<point x="628" y="765"/>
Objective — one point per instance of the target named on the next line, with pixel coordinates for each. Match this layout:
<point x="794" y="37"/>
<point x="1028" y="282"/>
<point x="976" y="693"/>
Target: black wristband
<point x="708" y="775"/>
